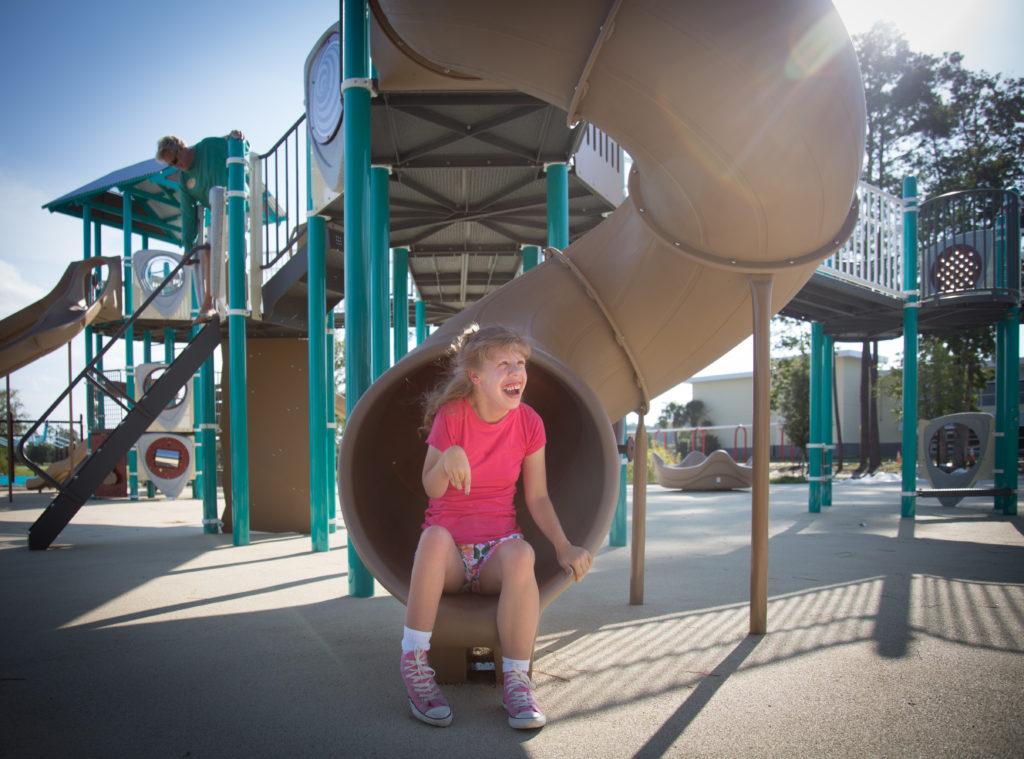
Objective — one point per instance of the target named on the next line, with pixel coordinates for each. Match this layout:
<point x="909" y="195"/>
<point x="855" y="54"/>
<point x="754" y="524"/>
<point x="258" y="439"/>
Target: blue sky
<point x="97" y="84"/>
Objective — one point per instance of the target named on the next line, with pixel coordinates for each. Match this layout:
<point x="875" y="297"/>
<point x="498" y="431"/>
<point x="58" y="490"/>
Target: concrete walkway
<point x="137" y="635"/>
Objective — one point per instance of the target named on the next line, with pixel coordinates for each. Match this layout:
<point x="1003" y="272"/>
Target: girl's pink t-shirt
<point x="495" y="453"/>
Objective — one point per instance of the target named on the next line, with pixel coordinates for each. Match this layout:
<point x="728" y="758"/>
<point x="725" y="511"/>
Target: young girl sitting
<point x="481" y="436"/>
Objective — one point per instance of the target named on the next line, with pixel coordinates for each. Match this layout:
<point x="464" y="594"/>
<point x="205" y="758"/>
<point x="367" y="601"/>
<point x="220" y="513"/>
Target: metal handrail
<point x="282" y="195"/>
<point x="89" y="373"/>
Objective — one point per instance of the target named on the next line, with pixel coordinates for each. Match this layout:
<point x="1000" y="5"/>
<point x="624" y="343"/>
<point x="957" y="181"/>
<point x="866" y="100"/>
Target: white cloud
<point x="15" y="292"/>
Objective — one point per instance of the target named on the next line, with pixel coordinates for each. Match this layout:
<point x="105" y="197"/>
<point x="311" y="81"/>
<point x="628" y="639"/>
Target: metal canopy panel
<point x="468" y="187"/>
<point x="155" y="201"/>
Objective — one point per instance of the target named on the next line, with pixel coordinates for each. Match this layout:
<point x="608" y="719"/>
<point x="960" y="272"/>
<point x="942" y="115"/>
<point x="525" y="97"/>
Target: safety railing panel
<point x="969" y="245"/>
<point x="873" y="256"/>
<point x="280" y="199"/>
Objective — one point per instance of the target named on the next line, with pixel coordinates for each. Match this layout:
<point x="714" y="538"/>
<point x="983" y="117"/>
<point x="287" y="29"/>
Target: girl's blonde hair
<point x="468" y="351"/>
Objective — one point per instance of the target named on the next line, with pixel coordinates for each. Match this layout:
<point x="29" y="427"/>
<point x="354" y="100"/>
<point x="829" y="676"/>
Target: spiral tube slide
<point x="746" y="125"/>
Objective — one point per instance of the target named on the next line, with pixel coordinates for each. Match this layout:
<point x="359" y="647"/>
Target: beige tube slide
<point x="66" y="310"/>
<point x="746" y="125"/>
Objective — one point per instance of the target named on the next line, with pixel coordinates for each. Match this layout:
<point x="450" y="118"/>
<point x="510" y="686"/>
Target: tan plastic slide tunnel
<point x="54" y="320"/>
<point x="746" y="125"/>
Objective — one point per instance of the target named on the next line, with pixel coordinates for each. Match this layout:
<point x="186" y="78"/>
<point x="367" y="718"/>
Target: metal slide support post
<point x="97" y="248"/>
<point x="814" y="445"/>
<point x="238" y="370"/>
<point x="827" y="381"/>
<point x="208" y="431"/>
<point x="558" y="205"/>
<point x="90" y="391"/>
<point x="617" y="534"/>
<point x="147" y="357"/>
<point x="400" y="297"/>
<point x="1002" y="393"/>
<point x="332" y="429"/>
<point x="380" y="232"/>
<point x="1012" y="408"/>
<point x="129" y="339"/>
<point x="356" y="97"/>
<point x="316" y="250"/>
<point x="421" y="322"/>
<point x="761" y="299"/>
<point x="531" y="257"/>
<point x="1008" y="374"/>
<point x="908" y="496"/>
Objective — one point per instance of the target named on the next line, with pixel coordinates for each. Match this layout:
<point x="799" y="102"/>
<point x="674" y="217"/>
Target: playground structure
<point x="765" y="200"/>
<point x="968" y="246"/>
<point x="716" y="471"/>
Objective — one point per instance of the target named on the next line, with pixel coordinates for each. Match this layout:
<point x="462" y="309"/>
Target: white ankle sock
<point x="507" y="665"/>
<point x="413" y="639"/>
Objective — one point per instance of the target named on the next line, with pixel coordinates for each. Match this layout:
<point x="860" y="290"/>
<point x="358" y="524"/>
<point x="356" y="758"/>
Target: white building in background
<point x="728" y="401"/>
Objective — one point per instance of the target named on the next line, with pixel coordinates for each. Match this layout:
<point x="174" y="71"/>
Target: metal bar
<point x="236" y="345"/>
<point x="316" y="304"/>
<point x="356" y="101"/>
<point x="816" y="427"/>
<point x="558" y="205"/>
<point x="908" y="503"/>
<point x="380" y="321"/>
<point x="761" y="299"/>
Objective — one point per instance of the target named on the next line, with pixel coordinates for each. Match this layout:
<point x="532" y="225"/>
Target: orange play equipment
<point x="746" y="125"/>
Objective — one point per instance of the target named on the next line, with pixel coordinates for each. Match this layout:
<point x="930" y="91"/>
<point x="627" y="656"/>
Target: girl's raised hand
<point x="456" y="466"/>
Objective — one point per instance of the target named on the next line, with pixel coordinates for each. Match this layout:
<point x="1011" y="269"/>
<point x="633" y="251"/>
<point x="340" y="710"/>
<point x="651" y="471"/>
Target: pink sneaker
<point x="522" y="708"/>
<point x="428" y="705"/>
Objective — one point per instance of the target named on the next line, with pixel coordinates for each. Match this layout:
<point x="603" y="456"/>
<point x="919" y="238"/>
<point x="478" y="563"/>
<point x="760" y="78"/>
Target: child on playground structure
<point x="200" y="168"/>
<point x="481" y="436"/>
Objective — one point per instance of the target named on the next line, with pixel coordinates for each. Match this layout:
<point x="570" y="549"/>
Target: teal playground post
<point x="400" y="297"/>
<point x="617" y="534"/>
<point x="380" y="232"/>
<point x="208" y="432"/>
<point x="1007" y="409"/>
<point x="332" y="430"/>
<point x="827" y="388"/>
<point x="815" y="438"/>
<point x="236" y="342"/>
<point x="531" y="257"/>
<point x="90" y="391"/>
<point x="355" y="89"/>
<point x="908" y="496"/>
<point x="129" y="339"/>
<point x="316" y="305"/>
<point x="421" y="321"/>
<point x="558" y="205"/>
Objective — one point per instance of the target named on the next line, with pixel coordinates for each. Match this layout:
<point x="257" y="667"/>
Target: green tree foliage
<point x="692" y="414"/>
<point x="930" y="117"/>
<point x="791" y="381"/>
<point x="951" y="373"/>
<point x="973" y="131"/>
<point x="17" y="412"/>
<point x="898" y="90"/>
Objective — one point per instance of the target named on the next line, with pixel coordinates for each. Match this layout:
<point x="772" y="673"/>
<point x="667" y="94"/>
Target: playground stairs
<point x="285" y="294"/>
<point x="92" y="471"/>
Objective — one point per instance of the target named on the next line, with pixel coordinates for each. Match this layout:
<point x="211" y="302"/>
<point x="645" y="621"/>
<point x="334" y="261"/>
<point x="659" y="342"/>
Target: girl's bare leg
<point x="436" y="569"/>
<point x="206" y="310"/>
<point x="509" y="573"/>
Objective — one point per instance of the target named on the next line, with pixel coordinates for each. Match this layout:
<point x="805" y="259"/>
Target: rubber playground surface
<point x="137" y="635"/>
